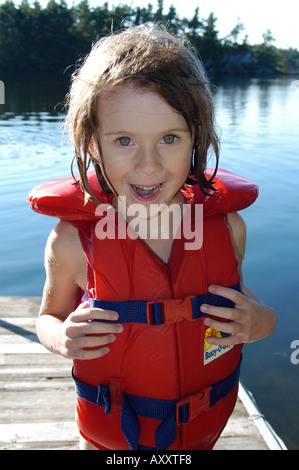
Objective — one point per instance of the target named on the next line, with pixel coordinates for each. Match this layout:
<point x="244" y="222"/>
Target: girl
<point x="157" y="347"/>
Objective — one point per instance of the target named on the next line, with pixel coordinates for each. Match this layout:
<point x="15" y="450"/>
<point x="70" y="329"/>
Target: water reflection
<point x="38" y="96"/>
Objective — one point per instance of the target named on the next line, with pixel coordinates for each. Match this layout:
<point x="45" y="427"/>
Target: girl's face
<point x="146" y="146"/>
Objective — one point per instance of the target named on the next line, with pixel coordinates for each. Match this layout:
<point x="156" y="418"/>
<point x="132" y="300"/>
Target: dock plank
<point x="37" y="397"/>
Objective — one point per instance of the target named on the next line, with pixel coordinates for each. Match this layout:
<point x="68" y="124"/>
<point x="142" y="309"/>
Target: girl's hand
<point x="77" y="334"/>
<point x="249" y="321"/>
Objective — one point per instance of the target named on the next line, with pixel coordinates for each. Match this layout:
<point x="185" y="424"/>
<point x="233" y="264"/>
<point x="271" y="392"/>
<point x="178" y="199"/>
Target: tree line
<point x="33" y="38"/>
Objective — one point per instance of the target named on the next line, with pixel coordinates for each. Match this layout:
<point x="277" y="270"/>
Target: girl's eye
<point x="169" y="139"/>
<point x="124" y="141"/>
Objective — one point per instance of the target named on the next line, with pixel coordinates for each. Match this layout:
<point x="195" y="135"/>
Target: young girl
<point x="157" y="345"/>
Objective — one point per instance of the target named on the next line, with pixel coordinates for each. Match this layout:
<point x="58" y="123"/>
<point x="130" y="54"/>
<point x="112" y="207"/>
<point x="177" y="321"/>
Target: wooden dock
<point x="37" y="398"/>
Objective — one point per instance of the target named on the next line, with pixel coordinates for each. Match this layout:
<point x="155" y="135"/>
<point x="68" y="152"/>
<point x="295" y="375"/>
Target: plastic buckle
<point x="104" y="396"/>
<point x="172" y="310"/>
<point x="197" y="403"/>
<point x="116" y="388"/>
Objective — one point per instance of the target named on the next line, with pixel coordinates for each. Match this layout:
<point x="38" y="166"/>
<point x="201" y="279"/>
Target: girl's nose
<point x="148" y="161"/>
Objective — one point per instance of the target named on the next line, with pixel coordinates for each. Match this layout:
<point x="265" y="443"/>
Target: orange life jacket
<point x="162" y="386"/>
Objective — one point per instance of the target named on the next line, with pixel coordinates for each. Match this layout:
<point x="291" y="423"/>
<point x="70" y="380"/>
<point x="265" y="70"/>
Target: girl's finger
<point x="96" y="342"/>
<point x="221" y="312"/>
<point x="229" y="328"/>
<point x="98" y="328"/>
<point x="231" y="294"/>
<point x="88" y="354"/>
<point x="84" y="314"/>
<point x="231" y="340"/>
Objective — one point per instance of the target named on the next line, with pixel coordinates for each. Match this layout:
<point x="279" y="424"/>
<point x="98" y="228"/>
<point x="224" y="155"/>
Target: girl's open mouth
<point x="146" y="192"/>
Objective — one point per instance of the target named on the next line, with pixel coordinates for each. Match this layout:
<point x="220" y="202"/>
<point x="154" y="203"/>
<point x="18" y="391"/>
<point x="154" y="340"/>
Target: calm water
<point x="259" y="122"/>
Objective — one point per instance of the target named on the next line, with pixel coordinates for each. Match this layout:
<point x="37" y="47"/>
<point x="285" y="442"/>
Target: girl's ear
<point x="93" y="148"/>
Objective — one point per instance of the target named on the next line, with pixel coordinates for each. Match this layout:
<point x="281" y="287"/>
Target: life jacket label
<point x="213" y="351"/>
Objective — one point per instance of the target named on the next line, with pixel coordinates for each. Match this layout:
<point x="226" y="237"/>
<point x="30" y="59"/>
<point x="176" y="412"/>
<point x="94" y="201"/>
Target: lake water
<point x="259" y="122"/>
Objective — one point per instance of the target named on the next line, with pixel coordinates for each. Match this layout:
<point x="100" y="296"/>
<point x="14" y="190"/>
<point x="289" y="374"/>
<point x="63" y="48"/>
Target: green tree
<point x="265" y="54"/>
<point x="31" y="29"/>
<point x="194" y="28"/>
<point x="144" y="15"/>
<point x="58" y="46"/>
<point x="236" y="31"/>
<point x="103" y="20"/>
<point x="54" y="37"/>
<point x="84" y="26"/>
<point x="210" y="48"/>
<point x="158" y="15"/>
<point x="288" y="60"/>
<point x="268" y="38"/>
<point x="173" y="22"/>
<point x="10" y="41"/>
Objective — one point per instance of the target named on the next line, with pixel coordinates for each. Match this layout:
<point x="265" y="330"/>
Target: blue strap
<point x="164" y="410"/>
<point x="129" y="424"/>
<point x="135" y="311"/>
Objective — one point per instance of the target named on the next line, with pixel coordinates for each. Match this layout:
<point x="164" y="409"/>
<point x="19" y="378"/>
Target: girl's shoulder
<point x="64" y="251"/>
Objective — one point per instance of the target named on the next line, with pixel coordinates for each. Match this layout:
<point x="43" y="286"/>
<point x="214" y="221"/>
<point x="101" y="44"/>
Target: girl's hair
<point x="154" y="60"/>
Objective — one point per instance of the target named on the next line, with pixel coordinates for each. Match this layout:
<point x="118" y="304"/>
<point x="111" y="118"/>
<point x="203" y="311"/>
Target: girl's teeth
<point x="146" y="191"/>
<point x="148" y="188"/>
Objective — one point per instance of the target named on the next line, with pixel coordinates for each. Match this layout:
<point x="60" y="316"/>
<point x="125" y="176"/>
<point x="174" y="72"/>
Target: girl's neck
<point x="156" y="221"/>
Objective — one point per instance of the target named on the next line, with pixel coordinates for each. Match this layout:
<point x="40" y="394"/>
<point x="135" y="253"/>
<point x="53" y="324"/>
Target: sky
<point x="280" y="16"/>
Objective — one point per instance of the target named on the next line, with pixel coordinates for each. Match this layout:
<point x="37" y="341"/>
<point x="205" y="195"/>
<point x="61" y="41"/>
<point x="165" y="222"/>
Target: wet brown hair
<point x="152" y="59"/>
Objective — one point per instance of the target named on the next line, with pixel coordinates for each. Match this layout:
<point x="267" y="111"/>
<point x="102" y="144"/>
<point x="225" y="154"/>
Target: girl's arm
<point x="251" y="319"/>
<point x="62" y="328"/>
